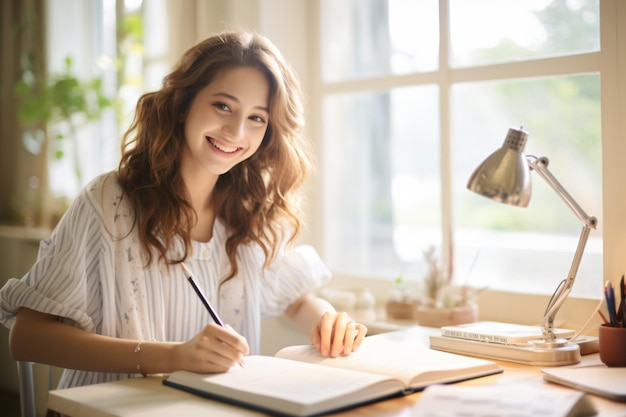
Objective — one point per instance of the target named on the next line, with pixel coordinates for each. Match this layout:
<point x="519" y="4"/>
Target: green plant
<point x="400" y="290"/>
<point x="61" y="100"/>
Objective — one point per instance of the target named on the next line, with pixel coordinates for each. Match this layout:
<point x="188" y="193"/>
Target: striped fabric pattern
<point x="90" y="272"/>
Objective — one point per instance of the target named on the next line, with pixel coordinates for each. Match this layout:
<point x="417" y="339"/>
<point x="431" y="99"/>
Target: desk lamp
<point x="505" y="177"/>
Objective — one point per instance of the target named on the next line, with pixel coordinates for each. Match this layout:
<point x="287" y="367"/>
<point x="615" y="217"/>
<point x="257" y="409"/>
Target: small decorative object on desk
<point x="612" y="334"/>
<point x="445" y="304"/>
<point x="447" y="316"/>
<point x="402" y="304"/>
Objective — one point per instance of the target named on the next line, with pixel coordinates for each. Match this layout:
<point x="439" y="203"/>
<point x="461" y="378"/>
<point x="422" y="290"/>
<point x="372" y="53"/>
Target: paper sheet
<point x="506" y="401"/>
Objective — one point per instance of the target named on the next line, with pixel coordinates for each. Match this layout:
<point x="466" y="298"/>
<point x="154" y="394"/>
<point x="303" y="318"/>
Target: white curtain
<point x="22" y="174"/>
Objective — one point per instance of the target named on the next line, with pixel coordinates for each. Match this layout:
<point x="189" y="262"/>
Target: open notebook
<point x="298" y="381"/>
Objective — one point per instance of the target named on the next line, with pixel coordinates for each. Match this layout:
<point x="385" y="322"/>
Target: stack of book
<point x="505" y="341"/>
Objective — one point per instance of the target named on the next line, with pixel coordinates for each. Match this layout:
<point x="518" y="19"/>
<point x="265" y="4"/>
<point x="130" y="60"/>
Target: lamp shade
<point x="505" y="175"/>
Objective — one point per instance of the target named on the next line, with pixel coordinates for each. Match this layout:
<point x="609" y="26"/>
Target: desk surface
<point x="142" y="397"/>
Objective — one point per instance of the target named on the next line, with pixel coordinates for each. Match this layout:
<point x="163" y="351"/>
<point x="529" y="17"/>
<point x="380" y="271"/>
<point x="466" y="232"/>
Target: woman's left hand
<point x="336" y="334"/>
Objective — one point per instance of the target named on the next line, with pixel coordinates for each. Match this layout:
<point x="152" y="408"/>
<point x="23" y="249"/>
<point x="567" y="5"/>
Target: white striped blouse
<point x="90" y="273"/>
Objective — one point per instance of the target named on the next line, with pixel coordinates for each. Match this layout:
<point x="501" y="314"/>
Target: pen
<point x="621" y="312"/>
<point x="203" y="298"/>
<point x="609" y="296"/>
<point x="613" y="312"/>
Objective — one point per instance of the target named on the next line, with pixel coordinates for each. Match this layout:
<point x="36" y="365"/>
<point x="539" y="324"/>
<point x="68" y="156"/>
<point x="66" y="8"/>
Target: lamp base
<point x="528" y="355"/>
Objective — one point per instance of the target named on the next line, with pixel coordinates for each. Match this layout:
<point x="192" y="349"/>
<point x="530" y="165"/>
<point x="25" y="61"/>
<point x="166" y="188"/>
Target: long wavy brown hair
<point x="257" y="199"/>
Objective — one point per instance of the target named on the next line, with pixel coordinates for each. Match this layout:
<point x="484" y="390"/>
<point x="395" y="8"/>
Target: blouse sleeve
<point x="63" y="281"/>
<point x="299" y="271"/>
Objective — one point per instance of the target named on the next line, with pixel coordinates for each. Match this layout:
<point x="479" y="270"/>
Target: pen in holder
<point x="612" y="334"/>
<point x="616" y="308"/>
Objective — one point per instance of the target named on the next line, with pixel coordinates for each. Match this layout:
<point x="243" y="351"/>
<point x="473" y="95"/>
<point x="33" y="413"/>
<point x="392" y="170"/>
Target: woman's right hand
<point x="40" y="337"/>
<point x="214" y="349"/>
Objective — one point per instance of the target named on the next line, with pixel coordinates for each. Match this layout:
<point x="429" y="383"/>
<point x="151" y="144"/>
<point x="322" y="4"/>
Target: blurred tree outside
<point x="561" y="113"/>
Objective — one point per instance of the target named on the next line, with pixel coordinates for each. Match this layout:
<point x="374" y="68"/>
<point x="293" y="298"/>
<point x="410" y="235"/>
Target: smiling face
<point x="226" y="121"/>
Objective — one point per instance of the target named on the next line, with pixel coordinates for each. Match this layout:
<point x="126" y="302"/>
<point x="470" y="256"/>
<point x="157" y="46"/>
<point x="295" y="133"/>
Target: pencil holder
<point x="612" y="341"/>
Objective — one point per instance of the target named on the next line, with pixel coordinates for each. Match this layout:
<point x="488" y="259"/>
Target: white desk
<point x="143" y="397"/>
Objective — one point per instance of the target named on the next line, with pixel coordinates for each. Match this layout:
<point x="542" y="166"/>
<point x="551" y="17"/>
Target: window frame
<point x="608" y="62"/>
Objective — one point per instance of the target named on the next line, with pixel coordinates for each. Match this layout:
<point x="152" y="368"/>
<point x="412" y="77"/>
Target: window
<point x="416" y="94"/>
<point x="125" y="43"/>
<point x="91" y="46"/>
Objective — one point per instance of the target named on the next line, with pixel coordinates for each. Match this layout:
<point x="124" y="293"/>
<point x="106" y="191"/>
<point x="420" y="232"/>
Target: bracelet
<point x="138" y="352"/>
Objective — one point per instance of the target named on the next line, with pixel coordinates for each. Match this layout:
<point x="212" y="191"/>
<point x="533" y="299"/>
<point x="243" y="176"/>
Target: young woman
<point x="209" y="176"/>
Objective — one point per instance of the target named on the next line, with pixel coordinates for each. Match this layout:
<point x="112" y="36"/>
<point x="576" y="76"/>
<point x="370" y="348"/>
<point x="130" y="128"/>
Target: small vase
<point x="447" y="316"/>
<point x="612" y="342"/>
<point x="402" y="309"/>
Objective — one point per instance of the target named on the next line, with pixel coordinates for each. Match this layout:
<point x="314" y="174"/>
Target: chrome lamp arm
<point x="540" y="165"/>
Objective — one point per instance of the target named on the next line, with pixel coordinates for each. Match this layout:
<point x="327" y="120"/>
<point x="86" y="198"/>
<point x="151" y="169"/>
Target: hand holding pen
<point x="214" y="349"/>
